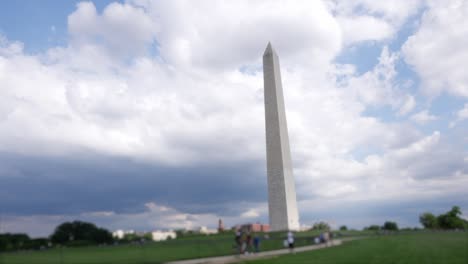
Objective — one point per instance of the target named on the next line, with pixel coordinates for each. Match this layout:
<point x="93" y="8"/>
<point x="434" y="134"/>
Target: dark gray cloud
<point x="358" y="214"/>
<point x="92" y="182"/>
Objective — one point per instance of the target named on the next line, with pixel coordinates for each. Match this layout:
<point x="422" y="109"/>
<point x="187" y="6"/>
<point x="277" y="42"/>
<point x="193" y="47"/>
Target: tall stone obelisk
<point x="282" y="203"/>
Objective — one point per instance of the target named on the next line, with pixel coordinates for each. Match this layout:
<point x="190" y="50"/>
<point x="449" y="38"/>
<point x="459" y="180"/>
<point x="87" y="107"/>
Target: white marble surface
<point x="281" y="186"/>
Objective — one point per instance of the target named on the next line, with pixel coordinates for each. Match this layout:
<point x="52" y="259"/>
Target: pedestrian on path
<point x="238" y="240"/>
<point x="248" y="242"/>
<point x="256" y="242"/>
<point x="291" y="241"/>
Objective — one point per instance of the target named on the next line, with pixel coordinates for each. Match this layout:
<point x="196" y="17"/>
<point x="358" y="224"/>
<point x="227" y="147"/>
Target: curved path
<point x="266" y="254"/>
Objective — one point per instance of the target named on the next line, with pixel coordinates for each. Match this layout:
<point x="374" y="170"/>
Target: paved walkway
<point x="266" y="254"/>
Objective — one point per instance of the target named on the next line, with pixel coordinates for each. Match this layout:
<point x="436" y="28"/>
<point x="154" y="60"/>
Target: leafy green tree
<point x="68" y="232"/>
<point x="321" y="226"/>
<point x="388" y="225"/>
<point x="343" y="228"/>
<point x="452" y="219"/>
<point x="131" y="237"/>
<point x="10" y="242"/>
<point x="372" y="227"/>
<point x="428" y="220"/>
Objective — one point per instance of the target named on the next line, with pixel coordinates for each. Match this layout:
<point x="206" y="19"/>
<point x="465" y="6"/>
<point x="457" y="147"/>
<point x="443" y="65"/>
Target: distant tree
<point x="131" y="237"/>
<point x="372" y="227"/>
<point x="37" y="243"/>
<point x="321" y="226"/>
<point x="148" y="236"/>
<point x="180" y="232"/>
<point x="80" y="231"/>
<point x="343" y="228"/>
<point x="452" y="219"/>
<point x="428" y="220"/>
<point x="388" y="225"/>
<point x="455" y="212"/>
<point x="9" y="242"/>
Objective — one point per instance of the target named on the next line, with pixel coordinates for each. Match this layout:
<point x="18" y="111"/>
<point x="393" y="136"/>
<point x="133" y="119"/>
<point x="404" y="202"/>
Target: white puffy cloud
<point x="251" y="213"/>
<point x="437" y="50"/>
<point x="380" y="86"/>
<point x="367" y="20"/>
<point x="147" y="110"/>
<point x="408" y="105"/>
<point x="461" y="115"/>
<point x="423" y="168"/>
<point x="423" y="117"/>
<point x="233" y="34"/>
<point x="369" y="28"/>
<point x="124" y="29"/>
<point x="199" y="99"/>
<point x="395" y="12"/>
<point x="377" y="87"/>
<point x="154" y="217"/>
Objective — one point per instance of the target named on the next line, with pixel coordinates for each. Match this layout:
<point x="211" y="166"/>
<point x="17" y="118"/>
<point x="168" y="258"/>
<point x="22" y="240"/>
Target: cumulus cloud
<point x="380" y="86"/>
<point x="364" y="20"/>
<point x="122" y="28"/>
<point x="232" y="34"/>
<point x="423" y="117"/>
<point x="154" y="217"/>
<point x="437" y="50"/>
<point x="461" y="115"/>
<point x="399" y="174"/>
<point x="395" y="12"/>
<point x="408" y="104"/>
<point x="251" y="213"/>
<point x="177" y="133"/>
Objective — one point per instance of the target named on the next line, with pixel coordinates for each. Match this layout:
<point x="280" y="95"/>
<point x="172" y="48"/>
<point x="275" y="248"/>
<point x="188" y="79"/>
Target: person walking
<point x="326" y="237"/>
<point x="248" y="242"/>
<point x="290" y="241"/>
<point x="238" y="241"/>
<point x="256" y="242"/>
<point x="244" y="243"/>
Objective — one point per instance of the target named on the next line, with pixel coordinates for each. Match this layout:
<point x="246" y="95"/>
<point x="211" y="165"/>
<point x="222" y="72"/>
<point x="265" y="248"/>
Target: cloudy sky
<point x="147" y="114"/>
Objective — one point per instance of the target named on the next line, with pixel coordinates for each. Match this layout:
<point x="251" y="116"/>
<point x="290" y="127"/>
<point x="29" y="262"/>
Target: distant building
<point x="163" y="235"/>
<point x="257" y="227"/>
<point x="204" y="230"/>
<point x="120" y="234"/>
<point x="220" y="225"/>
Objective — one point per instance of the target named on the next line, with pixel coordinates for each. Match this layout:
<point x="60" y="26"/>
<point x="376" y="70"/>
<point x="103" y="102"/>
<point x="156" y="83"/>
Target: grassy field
<point x="402" y="248"/>
<point x="443" y="248"/>
<point x="155" y="252"/>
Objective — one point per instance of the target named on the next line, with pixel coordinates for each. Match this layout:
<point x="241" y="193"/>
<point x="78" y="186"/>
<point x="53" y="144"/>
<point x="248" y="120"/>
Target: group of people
<point x="245" y="243"/>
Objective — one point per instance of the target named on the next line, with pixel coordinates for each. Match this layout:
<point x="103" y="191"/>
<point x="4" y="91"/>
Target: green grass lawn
<point x="403" y="248"/>
<point x="444" y="248"/>
<point x="156" y="252"/>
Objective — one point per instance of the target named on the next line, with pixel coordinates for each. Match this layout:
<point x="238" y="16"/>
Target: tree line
<point x="76" y="233"/>
<point x="450" y="220"/>
<point x="387" y="226"/>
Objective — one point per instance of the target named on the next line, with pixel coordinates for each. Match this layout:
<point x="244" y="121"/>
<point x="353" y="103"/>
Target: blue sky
<point x="149" y="114"/>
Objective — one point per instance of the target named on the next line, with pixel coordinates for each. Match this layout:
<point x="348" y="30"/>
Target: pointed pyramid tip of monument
<point x="269" y="49"/>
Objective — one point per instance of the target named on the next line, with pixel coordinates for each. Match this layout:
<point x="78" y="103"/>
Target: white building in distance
<point x="204" y="230"/>
<point x="119" y="234"/>
<point x="163" y="235"/>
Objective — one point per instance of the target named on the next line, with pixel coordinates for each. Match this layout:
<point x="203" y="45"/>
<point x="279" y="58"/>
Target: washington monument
<point x="282" y="204"/>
